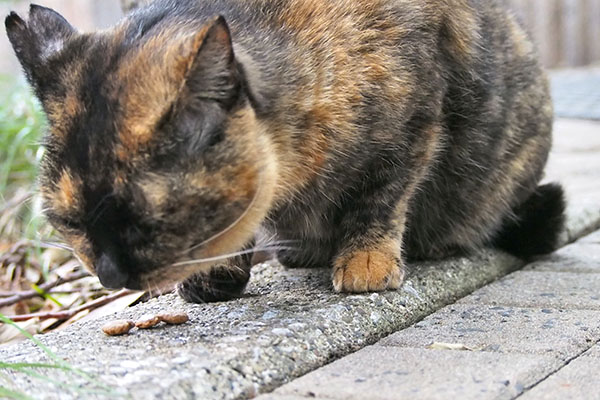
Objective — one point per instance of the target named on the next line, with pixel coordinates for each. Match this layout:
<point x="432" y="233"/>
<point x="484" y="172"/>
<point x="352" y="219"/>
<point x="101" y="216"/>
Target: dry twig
<point x="28" y="294"/>
<point x="66" y="314"/>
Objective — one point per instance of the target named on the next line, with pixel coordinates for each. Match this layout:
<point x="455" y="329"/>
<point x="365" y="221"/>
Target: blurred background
<point x="567" y="31"/>
<point x="86" y="15"/>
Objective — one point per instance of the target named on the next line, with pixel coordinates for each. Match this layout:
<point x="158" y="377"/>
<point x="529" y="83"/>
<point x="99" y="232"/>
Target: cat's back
<point x="345" y="81"/>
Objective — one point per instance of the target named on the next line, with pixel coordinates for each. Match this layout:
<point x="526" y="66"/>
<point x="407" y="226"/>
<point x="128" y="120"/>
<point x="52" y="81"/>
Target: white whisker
<point x="233" y="224"/>
<point x="230" y="255"/>
<point x="54" y="245"/>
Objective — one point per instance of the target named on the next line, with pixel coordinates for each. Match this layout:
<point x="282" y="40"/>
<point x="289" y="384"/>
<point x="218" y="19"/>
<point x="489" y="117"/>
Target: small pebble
<point x="147" y="321"/>
<point x="117" y="327"/>
<point x="173" y="318"/>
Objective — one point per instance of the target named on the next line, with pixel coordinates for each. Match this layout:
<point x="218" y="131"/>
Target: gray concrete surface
<point x="575" y="163"/>
<point x="592" y="238"/>
<point x="582" y="256"/>
<point x="566" y="290"/>
<point x="504" y="329"/>
<point x="576" y="381"/>
<point x="381" y="373"/>
<point x="291" y="323"/>
<point x="486" y="346"/>
<point x="576" y="93"/>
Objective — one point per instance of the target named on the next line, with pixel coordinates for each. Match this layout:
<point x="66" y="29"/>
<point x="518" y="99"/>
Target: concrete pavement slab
<point x="594" y="352"/>
<point x="289" y="323"/>
<point x="582" y="216"/>
<point x="581" y="256"/>
<point x="542" y="331"/>
<point x="575" y="163"/>
<point x="563" y="290"/>
<point x="591" y="238"/>
<point x="272" y="396"/>
<point x="387" y="373"/>
<point x="575" y="92"/>
<point x="575" y="136"/>
<point x="577" y="380"/>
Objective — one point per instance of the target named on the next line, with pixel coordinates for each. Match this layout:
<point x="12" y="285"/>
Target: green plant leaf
<point x="10" y="394"/>
<point x="45" y="295"/>
<point x="60" y="363"/>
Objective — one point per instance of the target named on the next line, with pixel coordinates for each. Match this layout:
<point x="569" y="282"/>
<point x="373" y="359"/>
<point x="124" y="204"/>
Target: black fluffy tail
<point x="538" y="224"/>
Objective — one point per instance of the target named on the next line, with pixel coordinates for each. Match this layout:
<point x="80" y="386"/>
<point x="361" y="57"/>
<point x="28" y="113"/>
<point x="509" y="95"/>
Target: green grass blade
<point x="45" y="295"/>
<point x="11" y="366"/>
<point x="29" y="336"/>
<point x="11" y="394"/>
<point x="60" y="362"/>
<point x="29" y="372"/>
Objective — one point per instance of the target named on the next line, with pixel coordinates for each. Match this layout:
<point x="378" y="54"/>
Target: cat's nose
<point x="111" y="275"/>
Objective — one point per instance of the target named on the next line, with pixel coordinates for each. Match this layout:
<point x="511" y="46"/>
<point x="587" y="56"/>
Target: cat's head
<point x="154" y="155"/>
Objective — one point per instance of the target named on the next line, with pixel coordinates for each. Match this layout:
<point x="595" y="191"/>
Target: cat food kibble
<point x="174" y="318"/>
<point x="121" y="326"/>
<point x="117" y="327"/>
<point x="147" y="321"/>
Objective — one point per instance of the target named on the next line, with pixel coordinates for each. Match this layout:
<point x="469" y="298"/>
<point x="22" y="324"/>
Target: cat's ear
<point x="212" y="72"/>
<point x="37" y="40"/>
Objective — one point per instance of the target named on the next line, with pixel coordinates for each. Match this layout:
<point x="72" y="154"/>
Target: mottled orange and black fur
<point x="360" y="132"/>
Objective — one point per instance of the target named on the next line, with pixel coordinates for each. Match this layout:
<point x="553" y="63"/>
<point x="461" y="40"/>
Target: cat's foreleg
<point x="369" y="256"/>
<point x="224" y="281"/>
<point x="369" y="250"/>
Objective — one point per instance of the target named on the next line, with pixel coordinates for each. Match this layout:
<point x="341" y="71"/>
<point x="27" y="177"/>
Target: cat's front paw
<point x="366" y="271"/>
<point x="221" y="283"/>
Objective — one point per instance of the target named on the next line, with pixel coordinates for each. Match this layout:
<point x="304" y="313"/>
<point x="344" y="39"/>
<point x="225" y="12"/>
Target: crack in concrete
<point x="567" y="362"/>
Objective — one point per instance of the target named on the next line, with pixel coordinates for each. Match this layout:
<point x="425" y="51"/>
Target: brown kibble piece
<point x="117" y="327"/>
<point x="174" y="318"/>
<point x="147" y="321"/>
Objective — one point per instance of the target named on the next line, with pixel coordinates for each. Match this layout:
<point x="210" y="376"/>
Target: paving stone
<point x="284" y="397"/>
<point x="581" y="256"/>
<point x="575" y="136"/>
<point x="289" y="323"/>
<point x="574" y="162"/>
<point x="582" y="216"/>
<point x="577" y="380"/>
<point x="564" y="290"/>
<point x="587" y="252"/>
<point x="591" y="238"/>
<point x="571" y="168"/>
<point x="594" y="352"/>
<point x="387" y="373"/>
<point x="575" y="93"/>
<point x="558" y="333"/>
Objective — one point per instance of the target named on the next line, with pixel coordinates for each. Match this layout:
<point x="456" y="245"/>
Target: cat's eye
<point x="66" y="223"/>
<point x="137" y="235"/>
<point x="214" y="137"/>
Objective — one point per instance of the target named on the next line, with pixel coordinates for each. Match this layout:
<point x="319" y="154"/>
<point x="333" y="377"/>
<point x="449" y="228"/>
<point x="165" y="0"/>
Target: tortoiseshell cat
<point x="357" y="130"/>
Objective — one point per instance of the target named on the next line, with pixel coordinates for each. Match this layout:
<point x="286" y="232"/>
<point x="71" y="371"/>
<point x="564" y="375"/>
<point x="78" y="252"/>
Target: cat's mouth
<point x="165" y="279"/>
<point x="117" y="267"/>
<point x="113" y="275"/>
<point x="200" y="258"/>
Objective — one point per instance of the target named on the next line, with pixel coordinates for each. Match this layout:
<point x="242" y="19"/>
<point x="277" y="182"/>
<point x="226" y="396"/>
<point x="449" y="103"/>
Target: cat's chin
<point x="166" y="279"/>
